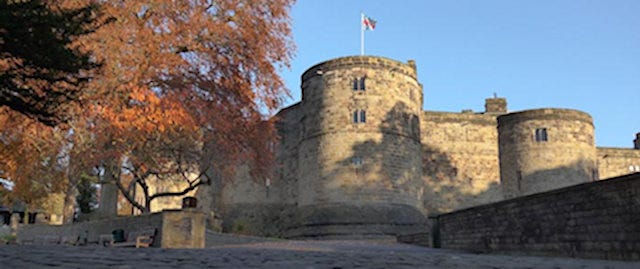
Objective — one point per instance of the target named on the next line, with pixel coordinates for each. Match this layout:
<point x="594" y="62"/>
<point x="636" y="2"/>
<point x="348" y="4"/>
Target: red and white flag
<point x="368" y="23"/>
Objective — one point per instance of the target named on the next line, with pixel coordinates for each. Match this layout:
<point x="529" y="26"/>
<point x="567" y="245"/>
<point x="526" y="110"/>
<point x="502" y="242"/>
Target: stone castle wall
<point x="336" y="177"/>
<point x="613" y="162"/>
<point x="345" y="164"/>
<point x="460" y="160"/>
<point x="387" y="143"/>
<point x="545" y="149"/>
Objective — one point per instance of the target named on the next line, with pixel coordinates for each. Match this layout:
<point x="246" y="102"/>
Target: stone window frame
<point x="359" y="116"/>
<point x="359" y="84"/>
<point x="541" y="135"/>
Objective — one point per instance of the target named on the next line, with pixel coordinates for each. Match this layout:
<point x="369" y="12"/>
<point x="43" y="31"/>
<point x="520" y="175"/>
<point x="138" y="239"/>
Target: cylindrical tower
<point x="360" y="153"/>
<point x="545" y="149"/>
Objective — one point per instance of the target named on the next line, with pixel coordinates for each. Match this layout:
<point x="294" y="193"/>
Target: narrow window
<point x="541" y="135"/>
<point x="358" y="84"/>
<point x="356" y="161"/>
<point x="359" y="116"/>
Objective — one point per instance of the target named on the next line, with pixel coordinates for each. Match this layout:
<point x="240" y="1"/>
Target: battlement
<point x="376" y="62"/>
<point x="441" y="117"/>
<point x="545" y="114"/>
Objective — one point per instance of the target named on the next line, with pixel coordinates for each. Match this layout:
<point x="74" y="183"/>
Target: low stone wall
<point x="176" y="228"/>
<point x="591" y="220"/>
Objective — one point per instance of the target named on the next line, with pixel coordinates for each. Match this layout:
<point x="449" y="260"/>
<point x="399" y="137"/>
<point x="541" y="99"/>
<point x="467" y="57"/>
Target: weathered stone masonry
<point x="358" y="157"/>
<point x="545" y="149"/>
<point x="591" y="220"/>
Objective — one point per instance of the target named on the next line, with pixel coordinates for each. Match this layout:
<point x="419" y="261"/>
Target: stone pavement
<point x="279" y="254"/>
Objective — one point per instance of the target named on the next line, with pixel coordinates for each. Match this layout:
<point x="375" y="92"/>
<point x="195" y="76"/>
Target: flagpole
<point x="361" y="33"/>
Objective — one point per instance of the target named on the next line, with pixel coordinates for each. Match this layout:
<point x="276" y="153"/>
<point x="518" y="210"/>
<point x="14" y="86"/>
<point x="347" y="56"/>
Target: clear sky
<point x="578" y="54"/>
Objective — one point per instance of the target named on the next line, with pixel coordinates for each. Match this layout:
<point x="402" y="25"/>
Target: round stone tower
<point x="545" y="149"/>
<point x="360" y="153"/>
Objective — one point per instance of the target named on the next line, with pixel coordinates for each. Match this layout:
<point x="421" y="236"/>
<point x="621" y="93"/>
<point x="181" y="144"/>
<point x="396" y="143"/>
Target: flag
<point x="368" y="23"/>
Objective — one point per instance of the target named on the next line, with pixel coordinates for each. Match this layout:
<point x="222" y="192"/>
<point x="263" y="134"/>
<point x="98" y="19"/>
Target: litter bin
<point x="118" y="235"/>
<point x="189" y="202"/>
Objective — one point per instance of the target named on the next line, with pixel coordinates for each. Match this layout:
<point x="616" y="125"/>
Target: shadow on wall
<point x="409" y="167"/>
<point x="386" y="169"/>
<point x="446" y="190"/>
<point x="581" y="171"/>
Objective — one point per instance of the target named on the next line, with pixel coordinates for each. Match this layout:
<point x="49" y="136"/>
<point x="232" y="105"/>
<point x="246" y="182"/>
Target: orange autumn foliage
<point x="206" y="65"/>
<point x="29" y="156"/>
<point x="180" y="82"/>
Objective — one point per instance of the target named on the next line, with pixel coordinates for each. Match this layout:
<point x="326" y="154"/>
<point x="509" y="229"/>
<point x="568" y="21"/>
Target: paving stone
<point x="288" y="254"/>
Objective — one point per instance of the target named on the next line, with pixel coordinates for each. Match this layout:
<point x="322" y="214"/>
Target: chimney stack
<point x="495" y="105"/>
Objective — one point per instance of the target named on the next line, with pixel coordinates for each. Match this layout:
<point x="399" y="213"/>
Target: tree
<point x="86" y="198"/>
<point x="182" y="88"/>
<point x="41" y="72"/>
<point x="204" y="70"/>
<point x="30" y="157"/>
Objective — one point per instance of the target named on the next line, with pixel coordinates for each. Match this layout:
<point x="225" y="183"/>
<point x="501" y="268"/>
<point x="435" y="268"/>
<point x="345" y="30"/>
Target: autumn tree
<point x="43" y="75"/>
<point x="184" y="89"/>
<point x="30" y="158"/>
<point x="41" y="71"/>
<point x="177" y="75"/>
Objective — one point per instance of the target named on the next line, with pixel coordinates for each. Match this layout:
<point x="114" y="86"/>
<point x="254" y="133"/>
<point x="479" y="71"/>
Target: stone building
<point x="358" y="157"/>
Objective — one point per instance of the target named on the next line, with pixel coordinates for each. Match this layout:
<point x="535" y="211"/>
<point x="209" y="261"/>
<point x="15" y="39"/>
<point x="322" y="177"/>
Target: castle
<point x="358" y="157"/>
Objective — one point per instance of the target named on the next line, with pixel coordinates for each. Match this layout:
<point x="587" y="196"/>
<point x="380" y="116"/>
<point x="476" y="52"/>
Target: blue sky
<point x="577" y="54"/>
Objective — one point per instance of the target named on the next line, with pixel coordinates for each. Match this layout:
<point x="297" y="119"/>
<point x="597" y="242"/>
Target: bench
<point x="138" y="239"/>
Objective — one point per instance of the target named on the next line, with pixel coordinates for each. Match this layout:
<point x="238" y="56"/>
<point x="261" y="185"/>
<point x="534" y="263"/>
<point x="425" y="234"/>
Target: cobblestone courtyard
<point x="279" y="254"/>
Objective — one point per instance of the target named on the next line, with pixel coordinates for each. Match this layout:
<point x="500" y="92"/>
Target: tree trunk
<point x="68" y="209"/>
<point x="109" y="192"/>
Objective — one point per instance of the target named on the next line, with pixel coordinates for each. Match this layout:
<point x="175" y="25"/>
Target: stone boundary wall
<point x="591" y="220"/>
<point x="176" y="228"/>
